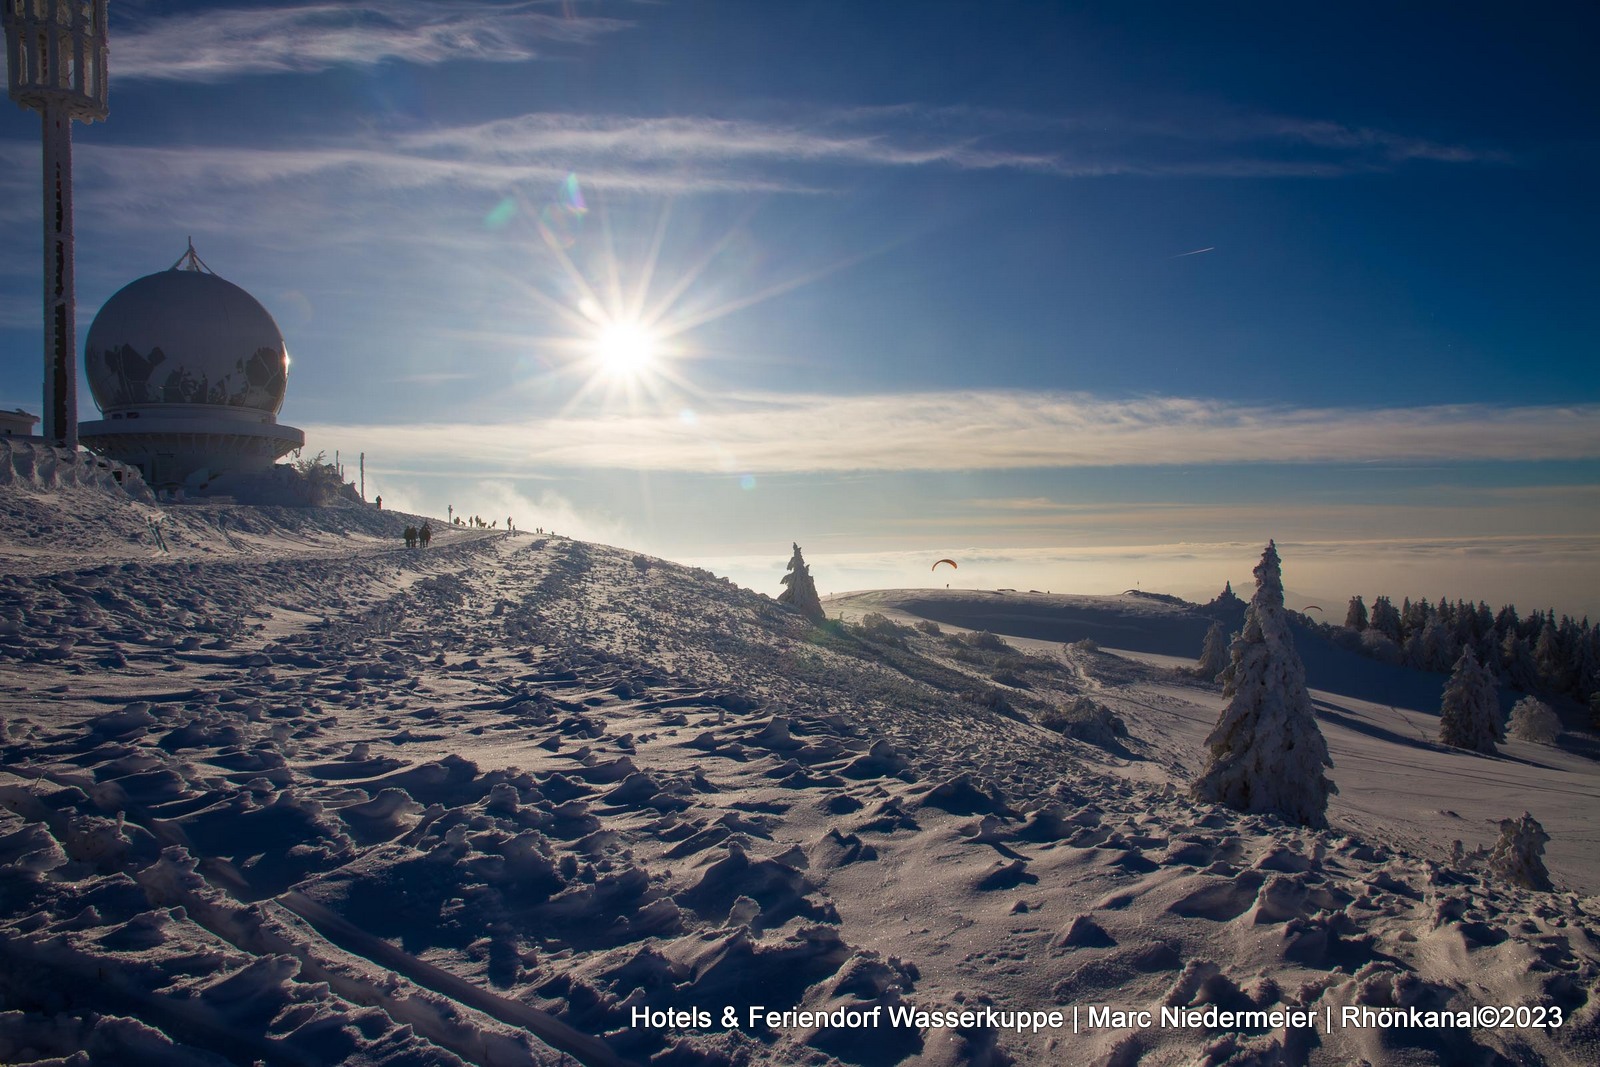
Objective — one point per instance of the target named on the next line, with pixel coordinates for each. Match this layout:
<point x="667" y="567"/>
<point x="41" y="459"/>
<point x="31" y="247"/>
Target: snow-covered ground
<point x="285" y="791"/>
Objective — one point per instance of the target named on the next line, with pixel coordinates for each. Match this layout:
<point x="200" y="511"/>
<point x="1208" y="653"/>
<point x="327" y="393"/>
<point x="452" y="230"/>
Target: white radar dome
<point x="185" y="336"/>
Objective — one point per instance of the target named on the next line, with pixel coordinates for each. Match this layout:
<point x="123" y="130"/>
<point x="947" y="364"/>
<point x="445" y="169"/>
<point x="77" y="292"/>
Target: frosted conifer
<point x="1534" y="720"/>
<point x="1518" y="856"/>
<point x="1356" y="616"/>
<point x="1227" y="600"/>
<point x="1516" y="663"/>
<point x="1433" y="648"/>
<point x="799" y="591"/>
<point x="1213" y="654"/>
<point x="1468" y="714"/>
<point x="1385" y="619"/>
<point x="1547" y="657"/>
<point x="1267" y="753"/>
<point x="1586" y="663"/>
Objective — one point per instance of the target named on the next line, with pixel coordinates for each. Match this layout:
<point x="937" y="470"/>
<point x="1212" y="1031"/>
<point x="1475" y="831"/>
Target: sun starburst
<point x="621" y="323"/>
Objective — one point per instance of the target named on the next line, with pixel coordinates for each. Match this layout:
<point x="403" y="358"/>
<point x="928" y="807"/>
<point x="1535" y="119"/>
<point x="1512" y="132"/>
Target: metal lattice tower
<point x="56" y="54"/>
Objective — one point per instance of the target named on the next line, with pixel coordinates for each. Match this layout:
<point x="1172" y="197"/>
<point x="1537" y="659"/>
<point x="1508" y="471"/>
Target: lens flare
<point x="561" y="218"/>
<point x="501" y="215"/>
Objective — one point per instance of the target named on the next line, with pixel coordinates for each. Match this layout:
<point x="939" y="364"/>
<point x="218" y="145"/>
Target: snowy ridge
<point x="32" y="463"/>
<point x="72" y="523"/>
<point x="304" y="796"/>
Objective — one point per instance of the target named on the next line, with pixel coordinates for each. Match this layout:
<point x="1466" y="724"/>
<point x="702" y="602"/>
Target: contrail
<point x="1196" y="252"/>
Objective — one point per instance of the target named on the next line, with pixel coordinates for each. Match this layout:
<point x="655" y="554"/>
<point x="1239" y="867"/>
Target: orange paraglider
<point x="949" y="561"/>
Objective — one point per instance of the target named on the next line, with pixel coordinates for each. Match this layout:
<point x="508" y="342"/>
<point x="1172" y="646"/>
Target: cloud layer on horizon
<point x="993" y="430"/>
<point x="1532" y="572"/>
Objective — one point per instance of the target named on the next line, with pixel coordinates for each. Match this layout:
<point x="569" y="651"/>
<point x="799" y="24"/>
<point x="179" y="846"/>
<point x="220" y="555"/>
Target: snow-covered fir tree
<point x="1518" y="856"/>
<point x="1227" y="600"/>
<point x="1516" y="663"/>
<point x="1356" y="616"/>
<point x="1548" y="659"/>
<point x="1468" y="715"/>
<point x="1213" y="654"/>
<point x="1534" y="720"/>
<point x="1266" y="752"/>
<point x="1485" y="623"/>
<point x="1376" y="644"/>
<point x="1385" y="619"/>
<point x="1433" y="648"/>
<point x="1586" y="663"/>
<point x="799" y="591"/>
<point x="1413" y="617"/>
<point x="1487" y="649"/>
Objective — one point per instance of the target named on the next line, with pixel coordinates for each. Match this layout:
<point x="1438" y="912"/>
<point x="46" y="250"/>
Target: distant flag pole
<point x="56" y="52"/>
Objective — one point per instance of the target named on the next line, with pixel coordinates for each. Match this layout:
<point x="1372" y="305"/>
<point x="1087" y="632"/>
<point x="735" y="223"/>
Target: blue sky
<point x="1088" y="296"/>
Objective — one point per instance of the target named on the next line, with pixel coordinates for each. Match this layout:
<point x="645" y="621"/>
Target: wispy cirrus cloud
<point x="192" y="177"/>
<point x="1179" y="137"/>
<point x="806" y="153"/>
<point x="996" y="430"/>
<point x="305" y="190"/>
<point x="220" y="43"/>
<point x="710" y="152"/>
<point x="823" y="138"/>
<point x="954" y="138"/>
<point x="1269" y="134"/>
<point x="1392" y="146"/>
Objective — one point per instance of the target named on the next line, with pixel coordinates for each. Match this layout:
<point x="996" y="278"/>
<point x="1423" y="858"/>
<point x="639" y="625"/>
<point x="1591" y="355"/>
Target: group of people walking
<point x="421" y="535"/>
<point x="479" y="523"/>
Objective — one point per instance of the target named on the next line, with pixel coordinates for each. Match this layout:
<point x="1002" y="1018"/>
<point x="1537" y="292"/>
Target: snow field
<point x="310" y="798"/>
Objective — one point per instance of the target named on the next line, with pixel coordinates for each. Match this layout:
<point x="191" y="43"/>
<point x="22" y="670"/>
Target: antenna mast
<point x="56" y="53"/>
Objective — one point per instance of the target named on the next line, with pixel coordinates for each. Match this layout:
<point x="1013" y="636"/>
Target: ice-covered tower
<point x="56" y="53"/>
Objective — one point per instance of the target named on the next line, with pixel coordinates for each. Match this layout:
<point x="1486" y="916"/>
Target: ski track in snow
<point x="288" y="792"/>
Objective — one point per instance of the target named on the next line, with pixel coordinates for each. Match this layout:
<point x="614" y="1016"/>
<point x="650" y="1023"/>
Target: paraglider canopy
<point x="1310" y="607"/>
<point x="949" y="561"/>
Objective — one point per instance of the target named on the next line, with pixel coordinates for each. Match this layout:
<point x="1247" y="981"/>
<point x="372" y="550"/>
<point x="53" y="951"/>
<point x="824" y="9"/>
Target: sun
<point x="625" y="349"/>
<point x="622" y="326"/>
